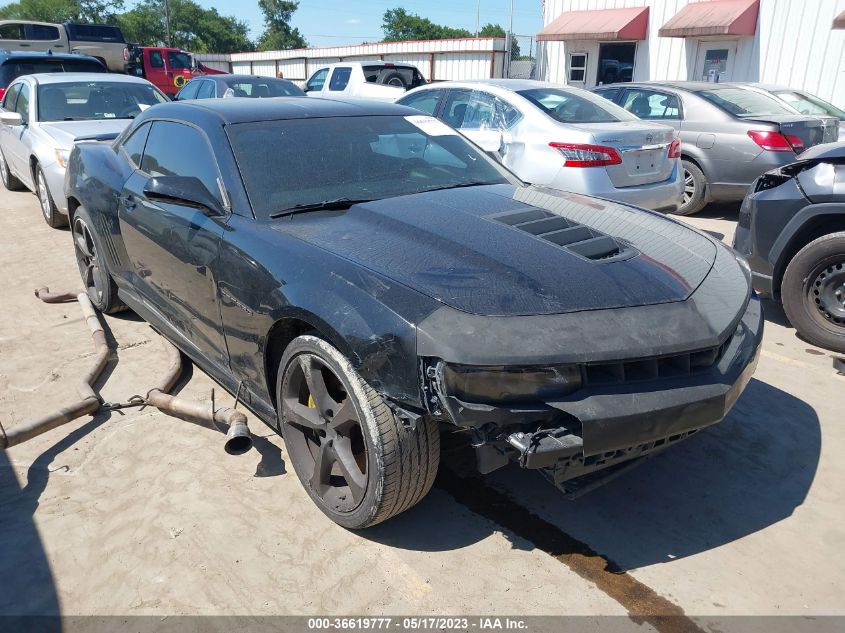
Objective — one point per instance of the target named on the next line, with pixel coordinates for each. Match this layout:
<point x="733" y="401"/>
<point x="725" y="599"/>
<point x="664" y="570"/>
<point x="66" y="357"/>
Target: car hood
<point x="471" y="249"/>
<point x="64" y="132"/>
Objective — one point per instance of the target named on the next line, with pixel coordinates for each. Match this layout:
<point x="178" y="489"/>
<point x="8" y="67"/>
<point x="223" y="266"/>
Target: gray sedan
<point x="729" y="134"/>
<point x="805" y="103"/>
<point x="43" y="115"/>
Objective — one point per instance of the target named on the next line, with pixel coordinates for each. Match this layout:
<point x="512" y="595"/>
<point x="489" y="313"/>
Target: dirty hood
<point x="64" y="132"/>
<point x="504" y="250"/>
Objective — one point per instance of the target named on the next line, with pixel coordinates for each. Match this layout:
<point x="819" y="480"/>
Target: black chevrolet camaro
<point x="361" y="275"/>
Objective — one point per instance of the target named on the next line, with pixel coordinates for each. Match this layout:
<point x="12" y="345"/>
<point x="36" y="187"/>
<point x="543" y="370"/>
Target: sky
<point x="337" y="22"/>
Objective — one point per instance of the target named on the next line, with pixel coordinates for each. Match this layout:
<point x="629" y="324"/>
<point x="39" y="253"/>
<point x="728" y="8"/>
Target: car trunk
<point x="644" y="148"/>
<point x="811" y="130"/>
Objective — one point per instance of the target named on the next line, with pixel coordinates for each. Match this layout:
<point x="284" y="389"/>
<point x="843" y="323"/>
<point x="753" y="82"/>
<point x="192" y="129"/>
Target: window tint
<point x="134" y="145"/>
<point x="43" y="32"/>
<point x="206" y="90"/>
<point x="340" y="78"/>
<point x="745" y="103"/>
<point x="608" y="93"/>
<point x="261" y="88"/>
<point x="156" y="60"/>
<point x="13" y="69"/>
<point x="647" y="104"/>
<point x="174" y="149"/>
<point x="22" y="104"/>
<point x="575" y="106"/>
<point x="317" y="80"/>
<point x="11" y="32"/>
<point x="425" y="101"/>
<point x="9" y="99"/>
<point x="178" y="59"/>
<point x="477" y="110"/>
<point x="95" y="33"/>
<point x="189" y="91"/>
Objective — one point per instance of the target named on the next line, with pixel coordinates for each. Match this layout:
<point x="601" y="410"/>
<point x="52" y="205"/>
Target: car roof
<point x="230" y="76"/>
<point x="244" y="110"/>
<point x="513" y="85"/>
<point x="14" y="55"/>
<point x="689" y="86"/>
<point x="63" y="78"/>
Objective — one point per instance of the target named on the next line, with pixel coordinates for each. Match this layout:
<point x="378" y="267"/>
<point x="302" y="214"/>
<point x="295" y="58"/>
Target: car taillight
<point x="777" y="142"/>
<point x="581" y="155"/>
<point x="126" y="54"/>
<point x="2" y="92"/>
<point x="675" y="149"/>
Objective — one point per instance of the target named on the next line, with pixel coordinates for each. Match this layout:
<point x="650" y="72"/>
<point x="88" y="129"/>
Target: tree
<point x="190" y="27"/>
<point x="279" y="35"/>
<point x="399" y="25"/>
<point x="93" y="11"/>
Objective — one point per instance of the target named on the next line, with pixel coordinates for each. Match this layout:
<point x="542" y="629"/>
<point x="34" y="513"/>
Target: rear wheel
<point x="359" y="463"/>
<point x="51" y="214"/>
<point x="813" y="292"/>
<point x="695" y="186"/>
<point x="9" y="181"/>
<point x="93" y="268"/>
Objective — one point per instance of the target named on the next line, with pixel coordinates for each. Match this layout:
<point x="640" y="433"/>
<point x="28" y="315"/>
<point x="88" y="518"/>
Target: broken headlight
<point x="502" y="384"/>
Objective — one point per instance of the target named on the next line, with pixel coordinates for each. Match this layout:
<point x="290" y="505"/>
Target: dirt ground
<point x="134" y="512"/>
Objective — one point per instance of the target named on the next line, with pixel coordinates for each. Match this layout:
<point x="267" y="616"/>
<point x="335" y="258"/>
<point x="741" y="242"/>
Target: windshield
<point x="93" y="100"/>
<point x="808" y="104"/>
<point x="288" y="163"/>
<point x="11" y="70"/>
<point x="178" y="59"/>
<point x="263" y="88"/>
<point x="568" y="107"/>
<point x="745" y="103"/>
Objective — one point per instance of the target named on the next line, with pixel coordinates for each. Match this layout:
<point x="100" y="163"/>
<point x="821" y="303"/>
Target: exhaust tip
<point x="238" y="439"/>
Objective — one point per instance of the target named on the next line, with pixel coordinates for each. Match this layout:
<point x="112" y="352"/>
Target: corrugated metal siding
<point x="794" y="46"/>
<point x="266" y="69"/>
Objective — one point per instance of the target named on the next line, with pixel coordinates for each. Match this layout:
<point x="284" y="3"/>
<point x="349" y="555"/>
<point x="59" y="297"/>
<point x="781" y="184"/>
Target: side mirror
<point x="185" y="191"/>
<point x="11" y="118"/>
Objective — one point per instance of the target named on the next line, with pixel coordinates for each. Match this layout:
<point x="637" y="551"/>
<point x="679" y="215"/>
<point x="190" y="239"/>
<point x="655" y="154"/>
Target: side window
<point x="318" y="79"/>
<point x="174" y="149"/>
<point x="650" y="105"/>
<point x="134" y="145"/>
<point x="11" y="31"/>
<point x="42" y="32"/>
<point x="206" y="90"/>
<point x="608" y="93"/>
<point x="340" y="78"/>
<point x="477" y="110"/>
<point x="577" y="73"/>
<point x="189" y="91"/>
<point x="425" y="101"/>
<point x="22" y="106"/>
<point x="155" y="59"/>
<point x="11" y="95"/>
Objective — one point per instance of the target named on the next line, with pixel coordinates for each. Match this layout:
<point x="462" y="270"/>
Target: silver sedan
<point x="562" y="138"/>
<point x="43" y="115"/>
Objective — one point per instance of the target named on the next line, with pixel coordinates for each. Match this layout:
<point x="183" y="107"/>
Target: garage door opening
<point x="616" y="62"/>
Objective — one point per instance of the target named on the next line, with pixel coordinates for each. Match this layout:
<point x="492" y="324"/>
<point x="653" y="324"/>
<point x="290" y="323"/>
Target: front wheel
<point x="813" y="292"/>
<point x="359" y="463"/>
<point x="93" y="268"/>
<point x="52" y="217"/>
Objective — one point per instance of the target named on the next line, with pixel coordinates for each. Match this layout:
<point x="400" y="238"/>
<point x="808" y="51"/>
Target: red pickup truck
<point x="167" y="68"/>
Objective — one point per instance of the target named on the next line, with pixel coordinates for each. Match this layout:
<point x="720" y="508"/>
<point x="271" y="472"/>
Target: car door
<point x="13" y="37"/>
<point x="46" y="37"/>
<point x="173" y="249"/>
<point x="155" y="71"/>
<point x="17" y="153"/>
<point x="317" y="81"/>
<point x="7" y="132"/>
<point x="207" y="89"/>
<point x="483" y="118"/>
<point x="653" y="105"/>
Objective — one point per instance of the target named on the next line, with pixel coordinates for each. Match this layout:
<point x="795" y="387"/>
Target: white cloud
<point x="353" y="21"/>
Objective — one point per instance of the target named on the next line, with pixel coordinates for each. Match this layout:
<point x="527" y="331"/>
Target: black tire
<point x="9" y="181"/>
<point x="374" y="466"/>
<point x="93" y="267"/>
<point x="695" y="189"/>
<point x="813" y="292"/>
<point x="394" y="79"/>
<point x="51" y="214"/>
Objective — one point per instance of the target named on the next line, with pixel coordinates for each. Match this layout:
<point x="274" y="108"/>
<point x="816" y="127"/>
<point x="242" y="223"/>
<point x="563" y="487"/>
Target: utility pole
<point x="167" y="22"/>
<point x="477" y="16"/>
<point x="509" y="43"/>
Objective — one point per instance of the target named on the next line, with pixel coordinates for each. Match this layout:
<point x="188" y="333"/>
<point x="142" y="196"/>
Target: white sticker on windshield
<point x="143" y="106"/>
<point x="431" y="126"/>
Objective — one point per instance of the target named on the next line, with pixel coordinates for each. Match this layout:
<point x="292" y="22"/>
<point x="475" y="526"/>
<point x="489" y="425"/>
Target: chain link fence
<point x="523" y="58"/>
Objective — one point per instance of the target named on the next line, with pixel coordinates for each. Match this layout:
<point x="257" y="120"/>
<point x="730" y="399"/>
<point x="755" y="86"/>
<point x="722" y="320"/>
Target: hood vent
<point x="579" y="239"/>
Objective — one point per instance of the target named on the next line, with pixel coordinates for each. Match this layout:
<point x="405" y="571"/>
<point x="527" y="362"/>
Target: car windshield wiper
<point x="474" y="183"/>
<point x="338" y="203"/>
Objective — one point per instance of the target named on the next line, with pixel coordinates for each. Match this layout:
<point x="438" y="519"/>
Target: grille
<point x="674" y="366"/>
<point x="579" y="239"/>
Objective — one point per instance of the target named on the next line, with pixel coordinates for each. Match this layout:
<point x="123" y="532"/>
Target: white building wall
<point x="794" y="46"/>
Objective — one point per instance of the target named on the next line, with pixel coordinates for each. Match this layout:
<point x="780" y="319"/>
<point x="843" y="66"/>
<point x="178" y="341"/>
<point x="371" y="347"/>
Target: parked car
<point x="729" y="134"/>
<point x="101" y="41"/>
<point x="381" y="81"/>
<point x="43" y="115"/>
<point x="168" y="69"/>
<point x="563" y="138"/>
<point x="792" y="230"/>
<point x="238" y="86"/>
<point x="14" y="65"/>
<point x="360" y="274"/>
<point x="805" y="103"/>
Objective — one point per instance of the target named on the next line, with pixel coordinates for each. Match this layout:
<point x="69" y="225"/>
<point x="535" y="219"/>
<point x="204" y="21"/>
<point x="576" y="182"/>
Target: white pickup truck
<point x="377" y="80"/>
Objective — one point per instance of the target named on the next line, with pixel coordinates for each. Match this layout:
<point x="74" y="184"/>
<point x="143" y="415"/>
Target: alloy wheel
<point x="323" y="432"/>
<point x="88" y="260"/>
<point x="826" y="291"/>
<point x="689" y="187"/>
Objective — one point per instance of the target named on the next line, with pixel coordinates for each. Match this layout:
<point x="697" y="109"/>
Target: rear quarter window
<point x="744" y="103"/>
<point x="95" y="33"/>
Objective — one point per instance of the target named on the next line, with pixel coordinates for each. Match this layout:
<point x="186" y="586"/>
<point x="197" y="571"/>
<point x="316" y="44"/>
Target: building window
<point x="616" y="62"/>
<point x="577" y="67"/>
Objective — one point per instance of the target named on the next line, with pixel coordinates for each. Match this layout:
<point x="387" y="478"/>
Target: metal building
<point x="797" y="43"/>
<point x="438" y="60"/>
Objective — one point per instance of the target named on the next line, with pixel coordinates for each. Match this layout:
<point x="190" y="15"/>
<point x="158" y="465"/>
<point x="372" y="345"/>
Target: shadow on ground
<point x="729" y="481"/>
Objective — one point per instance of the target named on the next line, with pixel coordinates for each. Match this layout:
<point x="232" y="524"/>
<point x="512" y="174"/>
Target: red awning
<point x="714" y="17"/>
<point x="602" y="24"/>
<point x="839" y="21"/>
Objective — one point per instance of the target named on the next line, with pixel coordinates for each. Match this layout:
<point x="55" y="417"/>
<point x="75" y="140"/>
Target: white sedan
<point x="43" y="115"/>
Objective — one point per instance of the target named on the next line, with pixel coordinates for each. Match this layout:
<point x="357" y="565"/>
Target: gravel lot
<point x="134" y="512"/>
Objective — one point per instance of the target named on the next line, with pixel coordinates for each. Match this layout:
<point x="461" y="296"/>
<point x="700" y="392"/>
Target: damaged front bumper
<point x="619" y="412"/>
